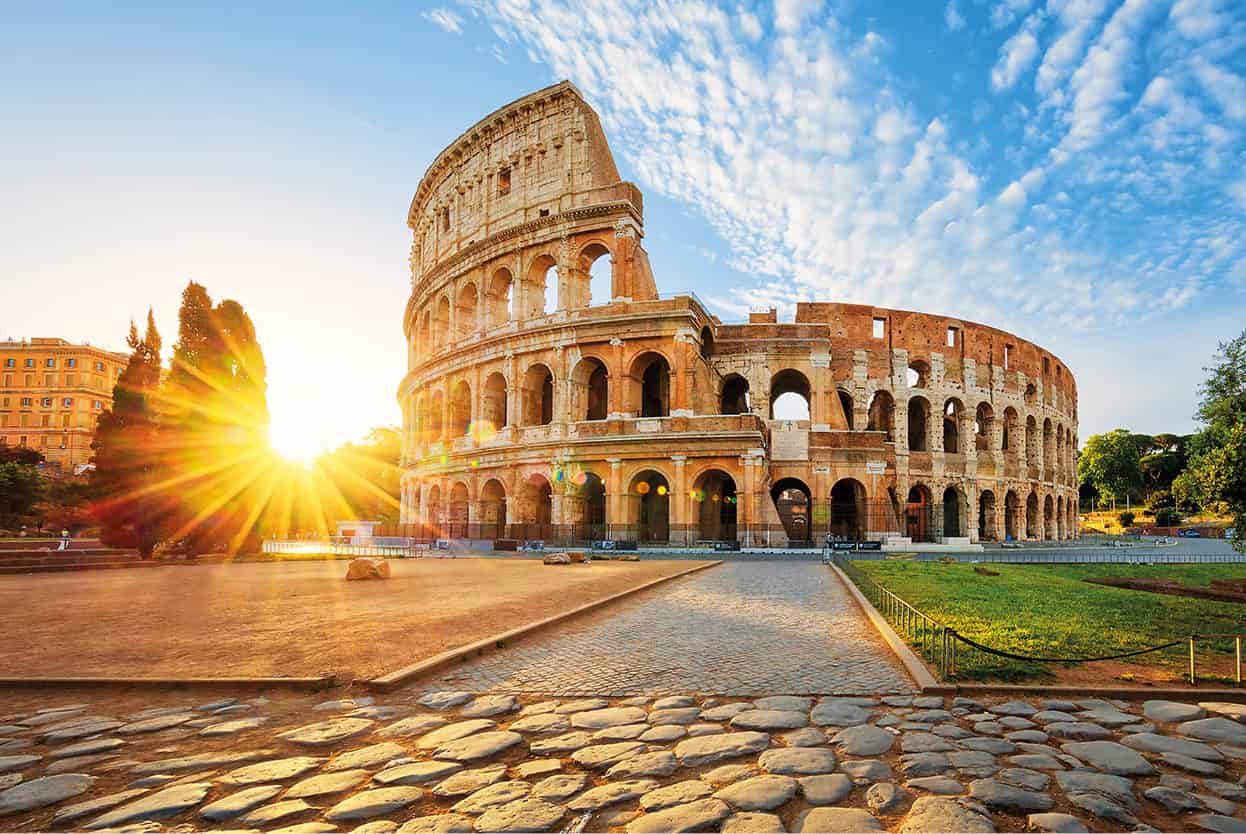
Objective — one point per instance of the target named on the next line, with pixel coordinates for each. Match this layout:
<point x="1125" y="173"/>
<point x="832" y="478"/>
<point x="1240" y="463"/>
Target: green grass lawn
<point x="1046" y="610"/>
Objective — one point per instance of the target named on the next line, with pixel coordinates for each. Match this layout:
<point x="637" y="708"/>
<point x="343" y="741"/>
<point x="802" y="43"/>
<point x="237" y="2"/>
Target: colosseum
<point x="553" y="393"/>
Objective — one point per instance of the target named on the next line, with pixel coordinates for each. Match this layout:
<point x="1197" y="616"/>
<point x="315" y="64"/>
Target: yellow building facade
<point x="52" y="393"/>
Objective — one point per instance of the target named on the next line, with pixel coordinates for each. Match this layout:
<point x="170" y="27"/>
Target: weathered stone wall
<point x="620" y="417"/>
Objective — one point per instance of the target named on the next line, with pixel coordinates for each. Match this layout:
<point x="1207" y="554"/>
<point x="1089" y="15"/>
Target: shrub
<point x="1126" y="519"/>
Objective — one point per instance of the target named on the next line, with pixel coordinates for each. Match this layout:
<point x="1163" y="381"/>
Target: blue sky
<point x="1073" y="170"/>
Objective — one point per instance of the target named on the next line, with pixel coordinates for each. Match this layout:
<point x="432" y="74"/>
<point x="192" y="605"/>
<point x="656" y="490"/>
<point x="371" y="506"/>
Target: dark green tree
<point x="131" y="504"/>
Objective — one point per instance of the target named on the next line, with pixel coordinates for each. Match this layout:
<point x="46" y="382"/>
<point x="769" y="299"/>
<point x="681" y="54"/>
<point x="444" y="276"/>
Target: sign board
<point x="876" y="467"/>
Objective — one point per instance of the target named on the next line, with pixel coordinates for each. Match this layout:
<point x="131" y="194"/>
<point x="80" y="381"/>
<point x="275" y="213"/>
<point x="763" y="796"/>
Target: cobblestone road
<point x="736" y="629"/>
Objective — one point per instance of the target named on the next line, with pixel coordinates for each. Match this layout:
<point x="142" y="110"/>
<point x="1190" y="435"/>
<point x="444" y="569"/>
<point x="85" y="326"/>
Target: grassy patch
<point x="1048" y="611"/>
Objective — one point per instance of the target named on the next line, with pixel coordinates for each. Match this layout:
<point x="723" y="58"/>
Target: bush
<point x="1126" y="519"/>
<point x="1167" y="517"/>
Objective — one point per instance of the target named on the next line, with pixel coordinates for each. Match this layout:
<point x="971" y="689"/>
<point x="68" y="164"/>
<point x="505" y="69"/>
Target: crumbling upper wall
<point x="539" y="156"/>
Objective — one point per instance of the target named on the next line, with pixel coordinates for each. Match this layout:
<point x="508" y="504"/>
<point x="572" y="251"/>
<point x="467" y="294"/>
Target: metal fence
<point x="954" y="656"/>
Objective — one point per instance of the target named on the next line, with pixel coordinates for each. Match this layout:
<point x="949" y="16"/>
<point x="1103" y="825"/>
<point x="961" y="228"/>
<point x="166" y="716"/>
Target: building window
<point x="880" y="328"/>
<point x="71" y="363"/>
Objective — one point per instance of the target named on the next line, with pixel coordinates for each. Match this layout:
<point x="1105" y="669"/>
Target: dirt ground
<point x="291" y="619"/>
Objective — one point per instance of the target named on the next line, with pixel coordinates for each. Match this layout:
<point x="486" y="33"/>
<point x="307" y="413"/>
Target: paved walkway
<point x="739" y="629"/>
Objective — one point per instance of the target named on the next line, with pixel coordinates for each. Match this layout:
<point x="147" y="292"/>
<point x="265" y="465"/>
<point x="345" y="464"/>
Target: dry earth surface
<point x="291" y="619"/>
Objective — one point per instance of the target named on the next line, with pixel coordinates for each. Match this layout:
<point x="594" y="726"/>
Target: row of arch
<point x="543" y="288"/>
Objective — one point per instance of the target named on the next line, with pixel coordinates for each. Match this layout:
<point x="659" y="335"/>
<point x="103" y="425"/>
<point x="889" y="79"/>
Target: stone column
<point x="679" y="501"/>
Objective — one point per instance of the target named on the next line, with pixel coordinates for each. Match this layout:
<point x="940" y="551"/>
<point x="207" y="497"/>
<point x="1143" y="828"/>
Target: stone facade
<point x="643" y="417"/>
<point x="52" y="393"/>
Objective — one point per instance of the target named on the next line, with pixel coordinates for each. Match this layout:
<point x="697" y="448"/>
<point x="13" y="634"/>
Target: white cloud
<point x="952" y="17"/>
<point x="446" y="19"/>
<point x="1017" y="54"/>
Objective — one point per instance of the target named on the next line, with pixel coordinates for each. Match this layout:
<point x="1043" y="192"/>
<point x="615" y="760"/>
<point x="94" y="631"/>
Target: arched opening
<point x="951" y="513"/>
<point x="493" y="510"/>
<point x="845" y="402"/>
<point x="436" y="429"/>
<point x="986" y="517"/>
<point x="951" y="426"/>
<point x="918" y="375"/>
<point x="734" y="398"/>
<point x="882" y="414"/>
<point x="651" y="496"/>
<point x="499" y="298"/>
<point x="651" y="378"/>
<point x="461" y="409"/>
<point x="465" y="311"/>
<point x="537" y="396"/>
<point x="789" y="396"/>
<point x="1049" y="518"/>
<point x="983" y="423"/>
<point x="590" y="496"/>
<point x="1012" y="425"/>
<point x="493" y="405"/>
<point x="919" y="415"/>
<point x="541" y="287"/>
<point x="714" y="504"/>
<point x="595" y="262"/>
<point x="707" y="343"/>
<point x="1033" y="524"/>
<point x="918" y="512"/>
<point x="590" y="393"/>
<point x="458" y="520"/>
<point x="1012" y="516"/>
<point x="536" y="509"/>
<point x="793" y="501"/>
<point x="441" y="323"/>
<point x="848" y="510"/>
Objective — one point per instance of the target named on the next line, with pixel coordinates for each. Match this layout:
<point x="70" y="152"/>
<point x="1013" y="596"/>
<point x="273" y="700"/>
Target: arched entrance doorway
<point x="951" y="513"/>
<point x="650" y="496"/>
<point x="793" y="501"/>
<point x="986" y="516"/>
<point x="714" y="506"/>
<point x="848" y="510"/>
<point x="917" y="514"/>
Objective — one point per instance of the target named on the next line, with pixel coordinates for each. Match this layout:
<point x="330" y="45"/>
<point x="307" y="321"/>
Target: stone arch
<point x="465" y="311"/>
<point x="1012" y="516"/>
<point x="441" y="321"/>
<point x="793" y="500"/>
<point x="734" y="398"/>
<point x="986" y="517"/>
<point x="590" y="390"/>
<point x="649" y="381"/>
<point x="882" y="414"/>
<point x="788" y="388"/>
<point x="461" y="409"/>
<point x="536" y="508"/>
<point x="983" y="425"/>
<point x="954" y="512"/>
<point x="845" y="402"/>
<point x="492" y="510"/>
<point x="649" y="497"/>
<point x="918" y="374"/>
<point x="919" y="418"/>
<point x="714" y="505"/>
<point x="536" y="404"/>
<point x="593" y="276"/>
<point x="1033" y="524"/>
<point x="848" y="510"/>
<point x="919" y="514"/>
<point x="541" y="286"/>
<point x="493" y="405"/>
<point x="953" y="413"/>
<point x="499" y="298"/>
<point x="458" y="516"/>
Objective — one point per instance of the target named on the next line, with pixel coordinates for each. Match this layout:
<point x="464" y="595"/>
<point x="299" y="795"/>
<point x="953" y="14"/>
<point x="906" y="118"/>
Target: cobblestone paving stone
<point x="180" y="780"/>
<point x="736" y="629"/>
